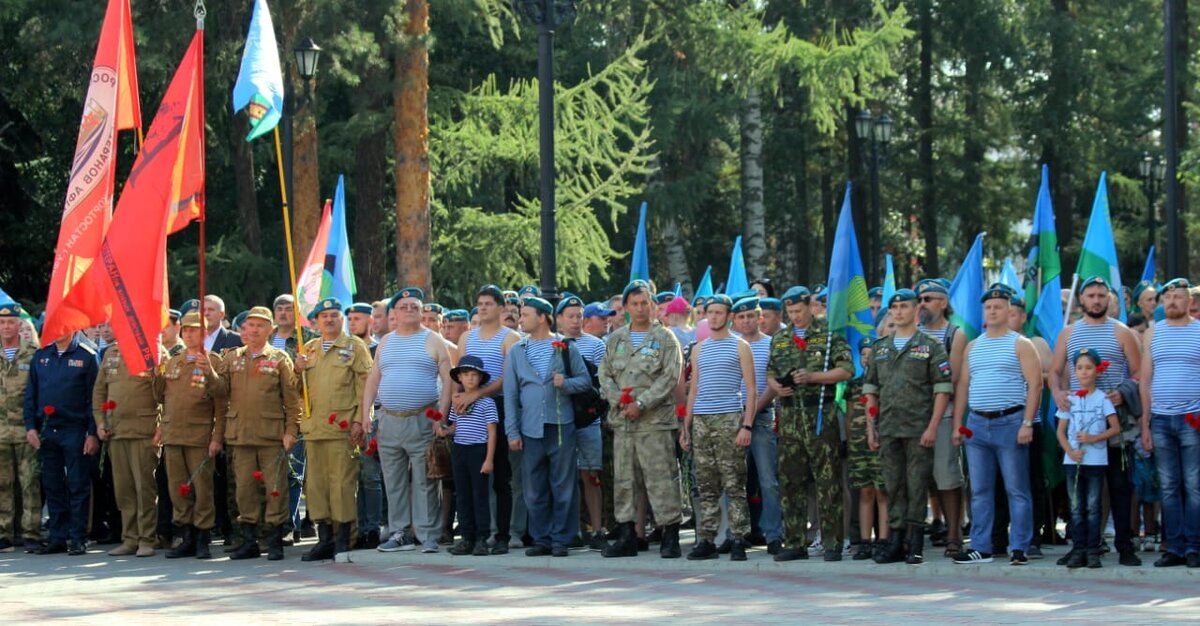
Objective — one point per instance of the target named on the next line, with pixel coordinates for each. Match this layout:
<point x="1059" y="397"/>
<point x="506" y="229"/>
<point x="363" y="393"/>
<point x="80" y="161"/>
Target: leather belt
<point x="1001" y="413"/>
<point x="412" y="413"/>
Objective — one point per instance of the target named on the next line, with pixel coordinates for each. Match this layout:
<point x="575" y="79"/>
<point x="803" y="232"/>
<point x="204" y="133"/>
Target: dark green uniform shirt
<point x="905" y="382"/>
<point x="787" y="356"/>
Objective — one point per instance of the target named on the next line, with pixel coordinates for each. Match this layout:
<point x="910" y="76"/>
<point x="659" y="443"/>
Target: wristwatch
<point x="1027" y="424"/>
<point x="747" y="427"/>
<point x="640" y="406"/>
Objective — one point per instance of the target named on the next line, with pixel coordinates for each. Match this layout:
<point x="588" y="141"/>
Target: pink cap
<point x="678" y="306"/>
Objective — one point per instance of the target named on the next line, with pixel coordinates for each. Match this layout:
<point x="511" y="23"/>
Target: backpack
<point x="590" y="403"/>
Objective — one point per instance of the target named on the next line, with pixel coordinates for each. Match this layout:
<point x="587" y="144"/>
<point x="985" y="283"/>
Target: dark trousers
<point x="165" y="509"/>
<point x="221" y="498"/>
<point x="502" y="480"/>
<point x="1119" y="473"/>
<point x="550" y="475"/>
<point x="471" y="491"/>
<point x="66" y="484"/>
<point x="1084" y="486"/>
<point x="106" y="516"/>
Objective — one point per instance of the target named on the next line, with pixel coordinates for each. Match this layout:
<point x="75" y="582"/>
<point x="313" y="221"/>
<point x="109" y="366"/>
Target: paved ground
<point x="584" y="588"/>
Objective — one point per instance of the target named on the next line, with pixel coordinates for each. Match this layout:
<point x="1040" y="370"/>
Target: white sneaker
<point x="515" y="544"/>
<point x="816" y="547"/>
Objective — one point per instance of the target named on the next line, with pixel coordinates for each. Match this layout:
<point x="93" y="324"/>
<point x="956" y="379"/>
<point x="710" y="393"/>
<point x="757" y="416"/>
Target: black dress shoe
<point x="537" y="550"/>
<point x="725" y="546"/>
<point x="791" y="554"/>
<point x="703" y="550"/>
<point x="559" y="551"/>
<point x="774" y="547"/>
<point x="643" y="544"/>
<point x="1170" y="559"/>
<point x="76" y="549"/>
<point x="1193" y="560"/>
<point x="54" y="547"/>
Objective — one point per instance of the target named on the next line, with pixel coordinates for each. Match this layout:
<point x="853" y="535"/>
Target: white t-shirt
<point x="1088" y="414"/>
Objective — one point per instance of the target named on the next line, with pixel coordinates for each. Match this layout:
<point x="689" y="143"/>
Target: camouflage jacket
<point x="906" y="381"/>
<point x="651" y="371"/>
<point x="13" y="375"/>
<point x="787" y="356"/>
<point x="290" y="345"/>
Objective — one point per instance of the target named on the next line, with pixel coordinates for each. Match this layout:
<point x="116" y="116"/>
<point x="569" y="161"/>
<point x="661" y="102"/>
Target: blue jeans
<point x="296" y="464"/>
<point x="994" y="446"/>
<point x="763" y="443"/>
<point x="66" y="484"/>
<point x="1085" y="484"/>
<point x="548" y="470"/>
<point x="1177" y="457"/>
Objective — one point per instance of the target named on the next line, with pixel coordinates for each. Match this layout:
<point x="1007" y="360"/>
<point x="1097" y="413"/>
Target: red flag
<point x="111" y="105"/>
<point x="167" y="174"/>
<point x="308" y="286"/>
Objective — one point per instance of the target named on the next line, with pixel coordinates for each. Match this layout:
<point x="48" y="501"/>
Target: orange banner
<point x="165" y="187"/>
<point x="111" y="105"/>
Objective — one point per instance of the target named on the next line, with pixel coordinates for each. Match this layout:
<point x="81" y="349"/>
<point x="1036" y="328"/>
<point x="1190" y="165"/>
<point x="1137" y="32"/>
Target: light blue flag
<point x="1008" y="276"/>
<point x="4" y="297"/>
<point x="1149" y="270"/>
<point x="259" y="86"/>
<point x="1043" y="271"/>
<point x="705" y="289"/>
<point x="967" y="289"/>
<point x="640" y="268"/>
<point x="738" y="282"/>
<point x="337" y="281"/>
<point x="889" y="282"/>
<point x="848" y="308"/>
<point x="1098" y="256"/>
<point x="678" y="290"/>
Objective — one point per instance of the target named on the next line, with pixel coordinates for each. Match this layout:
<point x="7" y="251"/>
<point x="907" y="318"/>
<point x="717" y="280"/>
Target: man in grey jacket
<point x="541" y="423"/>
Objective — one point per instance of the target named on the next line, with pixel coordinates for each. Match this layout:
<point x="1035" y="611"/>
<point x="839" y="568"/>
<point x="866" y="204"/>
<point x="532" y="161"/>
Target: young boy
<point x="1082" y="433"/>
<point x="864" y="470"/>
<point x="474" y="447"/>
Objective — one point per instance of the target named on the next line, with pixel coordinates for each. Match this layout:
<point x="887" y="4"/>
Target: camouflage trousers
<point x="644" y="462"/>
<point x="907" y="474"/>
<point x="20" y="468"/>
<point x="862" y="463"/>
<point x="807" y="457"/>
<point x="720" y="468"/>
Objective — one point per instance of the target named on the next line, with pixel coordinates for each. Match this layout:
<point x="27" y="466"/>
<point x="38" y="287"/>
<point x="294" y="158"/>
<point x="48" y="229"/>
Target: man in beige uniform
<point x="336" y="366"/>
<point x="195" y="399"/>
<point x="128" y="428"/>
<point x="261" y="425"/>
<point x="20" y="471"/>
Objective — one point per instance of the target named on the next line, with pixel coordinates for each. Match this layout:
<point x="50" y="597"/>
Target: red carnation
<point x="343" y="424"/>
<point x="559" y="345"/>
<point x="966" y="432"/>
<point x="332" y="417"/>
<point x="48" y="410"/>
<point x="433" y="414"/>
<point x="110" y="405"/>
<point x="1103" y="366"/>
<point x="373" y="447"/>
<point x="626" y="398"/>
<point x="1192" y="420"/>
<point x="275" y="494"/>
<point x="258" y="475"/>
<point x="185" y="490"/>
<point x="800" y="342"/>
<point x="1082" y="393"/>
<point x="681" y="411"/>
<point x="873" y="411"/>
<point x="862" y="400"/>
<point x="754" y="500"/>
<point x="627" y="389"/>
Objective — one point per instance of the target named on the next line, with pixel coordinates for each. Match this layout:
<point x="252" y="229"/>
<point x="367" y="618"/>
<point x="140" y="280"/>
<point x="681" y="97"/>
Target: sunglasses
<point x="930" y="298"/>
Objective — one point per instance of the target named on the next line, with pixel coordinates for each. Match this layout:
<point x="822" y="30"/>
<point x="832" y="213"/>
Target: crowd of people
<point x="402" y="425"/>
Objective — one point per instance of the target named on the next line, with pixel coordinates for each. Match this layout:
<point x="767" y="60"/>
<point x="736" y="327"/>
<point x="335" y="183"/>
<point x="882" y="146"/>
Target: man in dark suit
<point x="219" y="338"/>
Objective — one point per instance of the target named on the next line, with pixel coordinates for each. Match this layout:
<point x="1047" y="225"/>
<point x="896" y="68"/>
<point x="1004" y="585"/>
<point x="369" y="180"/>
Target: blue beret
<point x="930" y="285"/>
<point x="1142" y="286"/>
<point x="1018" y="299"/>
<point x="875" y="292"/>
<point x="10" y="309"/>
<point x="174" y="313"/>
<point x="539" y="304"/>
<point x="746" y="304"/>
<point x="770" y="304"/>
<point x="634" y="285"/>
<point x="663" y="297"/>
<point x="1173" y="284"/>
<point x="902" y="295"/>
<point x="407" y="292"/>
<point x="823" y="294"/>
<point x="1007" y="288"/>
<point x="360" y="307"/>
<point x="239" y="319"/>
<point x="474" y="312"/>
<point x="491" y="290"/>
<point x="698" y="301"/>
<point x="434" y="307"/>
<point x="456" y="315"/>
<point x="719" y="299"/>
<point x="190" y="305"/>
<point x="328" y="304"/>
<point x="1089" y="353"/>
<point x="1095" y="280"/>
<point x="817" y="288"/>
<point x="796" y="295"/>
<point x="529" y="290"/>
<point x="597" y="309"/>
<point x="865" y="343"/>
<point x="1002" y="293"/>
<point x="568" y="300"/>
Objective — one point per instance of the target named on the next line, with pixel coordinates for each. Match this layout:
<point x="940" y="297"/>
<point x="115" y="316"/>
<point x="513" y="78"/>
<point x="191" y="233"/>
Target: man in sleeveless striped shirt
<point x="1116" y="341"/>
<point x="490" y="342"/>
<point x="723" y="419"/>
<point x="1001" y="383"/>
<point x="1170" y="424"/>
<point x="411" y="380"/>
<point x="638" y="377"/>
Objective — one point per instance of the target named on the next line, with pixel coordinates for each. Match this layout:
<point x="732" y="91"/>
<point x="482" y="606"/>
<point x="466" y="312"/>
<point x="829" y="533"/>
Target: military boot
<point x="916" y="544"/>
<point x="669" y="548"/>
<point x="202" y="540"/>
<point x="893" y="550"/>
<point x="275" y="544"/>
<point x="324" y="548"/>
<point x="187" y="544"/>
<point x="342" y="543"/>
<point x="625" y="544"/>
<point x="249" y="547"/>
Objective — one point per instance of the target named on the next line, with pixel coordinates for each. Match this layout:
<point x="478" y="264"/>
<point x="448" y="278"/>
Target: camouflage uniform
<point x="720" y="469"/>
<point x="906" y="381"/>
<point x="803" y="454"/>
<point x="862" y="463"/>
<point x="18" y="460"/>
<point x="644" y="449"/>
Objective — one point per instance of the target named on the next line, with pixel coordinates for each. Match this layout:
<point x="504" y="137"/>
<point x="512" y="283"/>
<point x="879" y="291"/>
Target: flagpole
<point x="199" y="12"/>
<point x="1070" y="300"/>
<point x="287" y="236"/>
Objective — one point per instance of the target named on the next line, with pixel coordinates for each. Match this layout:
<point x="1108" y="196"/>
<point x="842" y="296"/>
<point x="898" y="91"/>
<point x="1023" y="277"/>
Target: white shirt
<point x="211" y="338"/>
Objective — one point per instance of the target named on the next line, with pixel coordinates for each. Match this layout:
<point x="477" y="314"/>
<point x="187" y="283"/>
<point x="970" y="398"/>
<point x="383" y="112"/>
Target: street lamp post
<point x="547" y="15"/>
<point x="878" y="134"/>
<point x="1152" y="171"/>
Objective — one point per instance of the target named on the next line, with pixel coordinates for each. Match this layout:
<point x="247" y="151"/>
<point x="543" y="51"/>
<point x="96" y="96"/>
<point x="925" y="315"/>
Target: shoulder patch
<point x="944" y="367"/>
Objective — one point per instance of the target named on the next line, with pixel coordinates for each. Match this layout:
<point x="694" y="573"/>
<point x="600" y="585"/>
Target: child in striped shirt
<point x="474" y="433"/>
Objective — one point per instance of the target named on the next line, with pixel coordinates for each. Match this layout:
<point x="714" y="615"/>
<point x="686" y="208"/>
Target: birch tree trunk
<point x="754" y="219"/>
